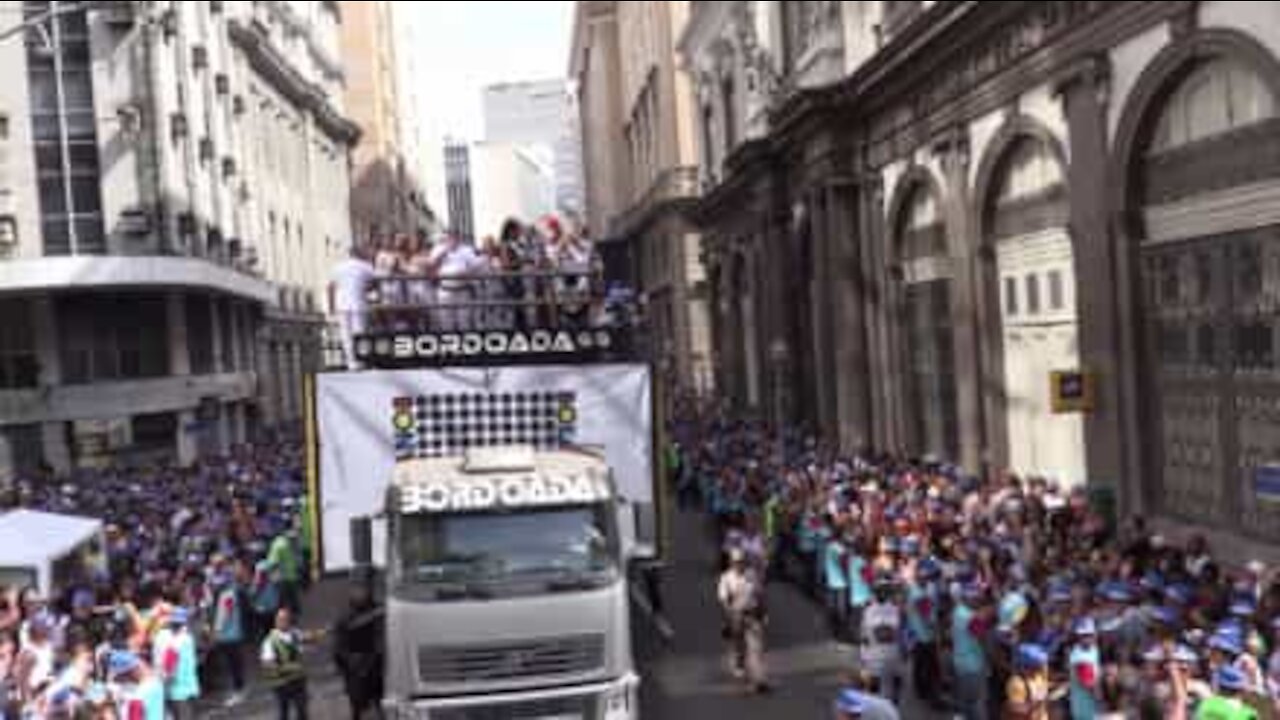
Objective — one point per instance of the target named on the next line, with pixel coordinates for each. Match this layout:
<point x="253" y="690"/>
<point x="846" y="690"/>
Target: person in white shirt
<point x="451" y="261"/>
<point x="880" y="648"/>
<point x="741" y="598"/>
<point x="348" y="287"/>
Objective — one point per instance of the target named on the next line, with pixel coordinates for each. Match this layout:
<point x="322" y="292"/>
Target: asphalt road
<point x="683" y="677"/>
<point x="686" y="678"/>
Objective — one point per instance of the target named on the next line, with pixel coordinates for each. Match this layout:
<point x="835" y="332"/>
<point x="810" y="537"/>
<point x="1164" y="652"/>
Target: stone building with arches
<point x="916" y="213"/>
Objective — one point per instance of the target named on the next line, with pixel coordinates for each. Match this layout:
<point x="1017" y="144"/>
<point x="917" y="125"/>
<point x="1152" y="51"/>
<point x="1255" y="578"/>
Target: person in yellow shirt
<point x="1029" y="693"/>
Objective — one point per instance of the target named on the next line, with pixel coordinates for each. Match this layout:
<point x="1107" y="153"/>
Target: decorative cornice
<point x="267" y="62"/>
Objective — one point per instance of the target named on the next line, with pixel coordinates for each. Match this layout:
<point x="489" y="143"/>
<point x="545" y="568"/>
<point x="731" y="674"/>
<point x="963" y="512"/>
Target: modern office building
<point x="173" y="177"/>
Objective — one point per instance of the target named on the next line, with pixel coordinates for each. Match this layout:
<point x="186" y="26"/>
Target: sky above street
<point x="463" y="46"/>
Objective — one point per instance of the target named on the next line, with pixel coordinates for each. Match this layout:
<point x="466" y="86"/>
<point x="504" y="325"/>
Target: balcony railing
<point x="672" y="185"/>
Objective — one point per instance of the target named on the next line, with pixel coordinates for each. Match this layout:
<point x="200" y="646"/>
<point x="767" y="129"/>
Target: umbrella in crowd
<point x="988" y="597"/>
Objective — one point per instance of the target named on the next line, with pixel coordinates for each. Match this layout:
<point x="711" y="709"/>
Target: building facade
<point x="149" y="310"/>
<point x="919" y="212"/>
<point x="386" y="193"/>
<point x="542" y="117"/>
<point x="639" y="123"/>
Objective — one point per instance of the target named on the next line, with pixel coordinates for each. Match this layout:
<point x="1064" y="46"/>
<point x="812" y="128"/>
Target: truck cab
<point x="506" y="589"/>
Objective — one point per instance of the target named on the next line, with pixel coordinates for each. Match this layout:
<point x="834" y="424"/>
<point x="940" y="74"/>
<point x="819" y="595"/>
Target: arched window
<point x="1216" y="98"/>
<point x="1030" y="171"/>
<point x="920" y="229"/>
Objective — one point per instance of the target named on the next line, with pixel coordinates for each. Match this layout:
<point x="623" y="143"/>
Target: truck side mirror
<point x="362" y="541"/>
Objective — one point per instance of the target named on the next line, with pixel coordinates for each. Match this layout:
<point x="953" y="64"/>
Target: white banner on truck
<point x="368" y="421"/>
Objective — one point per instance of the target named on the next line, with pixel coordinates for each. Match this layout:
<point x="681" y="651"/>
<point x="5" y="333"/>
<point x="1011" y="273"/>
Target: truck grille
<point x="586" y="708"/>
<point x="498" y="662"/>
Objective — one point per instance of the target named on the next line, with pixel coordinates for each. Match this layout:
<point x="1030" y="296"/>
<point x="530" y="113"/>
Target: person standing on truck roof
<point x="348" y="288"/>
<point x="451" y="262"/>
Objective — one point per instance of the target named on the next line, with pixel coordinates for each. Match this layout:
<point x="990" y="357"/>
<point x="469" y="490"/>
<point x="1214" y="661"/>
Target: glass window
<point x="1206" y="346"/>
<point x="1033" y="294"/>
<point x="19" y="367"/>
<point x="1218" y="97"/>
<point x="1204" y="276"/>
<point x="1247" y="261"/>
<point x="1170" y="280"/>
<point x="1254" y="346"/>
<point x="1056" y="299"/>
<point x="1174" y="347"/>
<point x="1011" y="296"/>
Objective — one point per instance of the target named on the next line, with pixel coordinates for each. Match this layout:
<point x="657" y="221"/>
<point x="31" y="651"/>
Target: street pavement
<point x="683" y="676"/>
<point x="687" y="677"/>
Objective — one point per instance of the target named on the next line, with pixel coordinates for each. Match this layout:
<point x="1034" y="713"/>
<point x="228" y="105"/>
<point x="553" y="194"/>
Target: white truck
<point x="502" y="482"/>
<point x="506" y="589"/>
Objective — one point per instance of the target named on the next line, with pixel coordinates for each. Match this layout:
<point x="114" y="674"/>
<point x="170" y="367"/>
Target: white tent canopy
<point x="30" y="539"/>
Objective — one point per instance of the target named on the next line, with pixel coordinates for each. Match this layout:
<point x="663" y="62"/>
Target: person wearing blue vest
<point x="139" y="693"/>
<point x="860" y="595"/>
<point x="1085" y="665"/>
<point x="229" y="635"/>
<point x="969" y="655"/>
<point x="834" y="551"/>
<point x="176" y="662"/>
<point x="922" y="624"/>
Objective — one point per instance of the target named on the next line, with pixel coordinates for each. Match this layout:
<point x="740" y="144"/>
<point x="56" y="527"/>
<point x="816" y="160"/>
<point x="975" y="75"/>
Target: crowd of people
<point x="540" y="275"/>
<point x="998" y="597"/>
<point x="197" y="566"/>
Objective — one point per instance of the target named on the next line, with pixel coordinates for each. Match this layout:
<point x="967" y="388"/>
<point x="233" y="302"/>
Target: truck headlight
<point x="618" y="703"/>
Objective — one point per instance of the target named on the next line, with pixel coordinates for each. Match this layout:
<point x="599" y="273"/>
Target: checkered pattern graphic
<point x="448" y="424"/>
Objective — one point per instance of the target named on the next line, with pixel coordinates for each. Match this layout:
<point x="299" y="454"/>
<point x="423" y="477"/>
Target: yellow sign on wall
<point x="1071" y="391"/>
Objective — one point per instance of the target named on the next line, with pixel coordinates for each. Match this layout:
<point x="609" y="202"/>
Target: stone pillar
<point x="186" y="442"/>
<point x="295" y="381"/>
<point x="224" y="429"/>
<point x="849" y="301"/>
<point x="239" y="429"/>
<point x="883" y="374"/>
<point x="216" y="340"/>
<point x="45" y="324"/>
<point x="57" y="451"/>
<point x="236" y="339"/>
<point x="954" y="153"/>
<point x="179" y="352"/>
<point x="827" y="239"/>
<point x="1100" y="266"/>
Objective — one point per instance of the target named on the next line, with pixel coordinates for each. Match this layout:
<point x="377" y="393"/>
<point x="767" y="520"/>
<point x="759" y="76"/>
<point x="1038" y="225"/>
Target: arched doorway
<point x="925" y="319"/>
<point x="1204" y="173"/>
<point x="1025" y="220"/>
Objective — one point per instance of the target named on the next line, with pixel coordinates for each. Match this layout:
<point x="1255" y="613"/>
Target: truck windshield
<point x="477" y="555"/>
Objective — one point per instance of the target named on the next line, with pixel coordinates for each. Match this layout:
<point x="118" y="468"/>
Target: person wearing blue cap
<point x="1085" y="664"/>
<point x="1028" y="693"/>
<point x="922" y="608"/>
<point x="849" y="705"/>
<point x="880" y="644"/>
<point x="970" y="626"/>
<point x="175" y="659"/>
<point x="229" y="634"/>
<point x="1228" y="701"/>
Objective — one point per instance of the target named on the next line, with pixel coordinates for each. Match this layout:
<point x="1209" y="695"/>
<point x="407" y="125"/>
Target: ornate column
<point x="849" y="300"/>
<point x="953" y="152"/>
<point x="1102" y="271"/>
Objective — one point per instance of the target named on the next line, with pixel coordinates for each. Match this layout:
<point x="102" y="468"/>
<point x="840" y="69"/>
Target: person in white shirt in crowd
<point x="570" y="253"/>
<point x="421" y="290"/>
<point x="880" y="646"/>
<point x="741" y="598"/>
<point x="348" y="300"/>
<point x="451" y="261"/>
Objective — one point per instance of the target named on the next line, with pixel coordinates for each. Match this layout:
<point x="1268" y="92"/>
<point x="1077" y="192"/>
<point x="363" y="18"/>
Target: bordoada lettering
<point x="467" y="345"/>
<point x="470" y="495"/>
